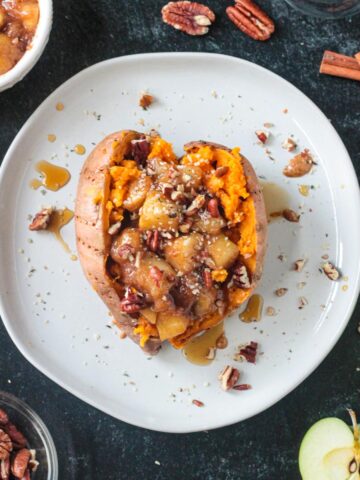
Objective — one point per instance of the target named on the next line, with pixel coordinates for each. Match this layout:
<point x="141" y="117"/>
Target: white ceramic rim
<point x="31" y="56"/>
<point x="352" y="184"/>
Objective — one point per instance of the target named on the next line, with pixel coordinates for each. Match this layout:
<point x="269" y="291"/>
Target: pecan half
<point x="213" y="208"/>
<point x="229" y="377"/>
<point x="16" y="436"/>
<point x="20" y="462"/>
<point x="247" y="352"/>
<point x="145" y="101"/>
<point x="290" y="215"/>
<point x="41" y="221"/>
<point x="251" y="19"/>
<point x="241" y="277"/>
<point x="153" y="240"/>
<point x="300" y="165"/>
<point x="132" y="302"/>
<point x="6" y="445"/>
<point x="190" y="17"/>
<point x="140" y="150"/>
<point x="331" y="271"/>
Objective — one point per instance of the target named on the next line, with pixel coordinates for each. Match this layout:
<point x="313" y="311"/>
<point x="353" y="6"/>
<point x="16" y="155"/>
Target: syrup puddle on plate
<point x="197" y="350"/>
<point x="253" y="310"/>
<point x="276" y="200"/>
<point x="53" y="176"/>
<point x="59" y="219"/>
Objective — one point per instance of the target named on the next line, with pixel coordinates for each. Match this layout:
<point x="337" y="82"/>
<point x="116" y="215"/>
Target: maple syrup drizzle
<point x="35" y="183"/>
<point x="276" y="200"/>
<point x="253" y="310"/>
<point x="79" y="149"/>
<point x="53" y="176"/>
<point x="304" y="190"/>
<point x="197" y="349"/>
<point x="59" y="219"/>
<point x="51" y="138"/>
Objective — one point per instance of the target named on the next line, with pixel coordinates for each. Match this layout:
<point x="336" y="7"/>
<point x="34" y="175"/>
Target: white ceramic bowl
<point x="31" y="56"/>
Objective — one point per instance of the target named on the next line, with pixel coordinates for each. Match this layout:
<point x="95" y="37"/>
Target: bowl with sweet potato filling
<point x="24" y="31"/>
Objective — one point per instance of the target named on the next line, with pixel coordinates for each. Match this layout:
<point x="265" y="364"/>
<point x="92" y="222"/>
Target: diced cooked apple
<point x="191" y="176"/>
<point x="29" y="13"/>
<point x="155" y="282"/>
<point x="10" y="54"/>
<point x="159" y="213"/>
<point x="170" y="324"/>
<point x="149" y="314"/>
<point x="223" y="251"/>
<point x="205" y="223"/>
<point x="181" y="252"/>
<point x="205" y="303"/>
<point x="130" y="237"/>
<point x="137" y="193"/>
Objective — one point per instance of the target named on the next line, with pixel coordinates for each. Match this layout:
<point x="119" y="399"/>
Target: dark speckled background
<point x="90" y="444"/>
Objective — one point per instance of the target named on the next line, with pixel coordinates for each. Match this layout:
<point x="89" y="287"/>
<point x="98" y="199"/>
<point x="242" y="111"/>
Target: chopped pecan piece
<point x="241" y="277"/>
<point x="289" y="144"/>
<point x="213" y="208"/>
<point x="195" y="206"/>
<point x="198" y="403"/>
<point x="140" y="150"/>
<point x="331" y="271"/>
<point x="302" y="302"/>
<point x="190" y="17"/>
<point x="6" y="445"/>
<point x="132" y="302"/>
<point x="153" y="240"/>
<point x="299" y="265"/>
<point x="207" y="278"/>
<point x="222" y="342"/>
<point x="290" y="215"/>
<point x="145" y="101"/>
<point x="262" y="135"/>
<point x="247" y="352"/>
<point x="242" y="386"/>
<point x="300" y="165"/>
<point x="42" y="219"/>
<point x="280" y="292"/>
<point x="229" y="377"/>
<point x="251" y="19"/>
<point x="211" y="353"/>
<point x="20" y="463"/>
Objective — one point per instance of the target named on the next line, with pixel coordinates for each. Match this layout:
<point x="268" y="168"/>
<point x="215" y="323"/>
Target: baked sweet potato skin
<point x="91" y="225"/>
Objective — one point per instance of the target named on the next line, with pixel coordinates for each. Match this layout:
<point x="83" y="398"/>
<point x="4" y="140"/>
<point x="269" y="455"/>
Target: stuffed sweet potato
<point x="171" y="245"/>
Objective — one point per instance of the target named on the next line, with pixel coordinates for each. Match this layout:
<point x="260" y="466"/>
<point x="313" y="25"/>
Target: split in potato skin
<point x="183" y="236"/>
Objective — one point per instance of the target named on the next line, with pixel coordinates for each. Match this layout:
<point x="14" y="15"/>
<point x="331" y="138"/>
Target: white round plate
<point x="60" y="324"/>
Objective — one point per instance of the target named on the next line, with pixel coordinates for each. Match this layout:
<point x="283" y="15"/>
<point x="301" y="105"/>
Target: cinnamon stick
<point x="340" y="65"/>
<point x="357" y="56"/>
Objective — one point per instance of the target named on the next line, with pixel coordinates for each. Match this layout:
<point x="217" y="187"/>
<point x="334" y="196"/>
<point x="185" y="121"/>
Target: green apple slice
<point x="325" y="436"/>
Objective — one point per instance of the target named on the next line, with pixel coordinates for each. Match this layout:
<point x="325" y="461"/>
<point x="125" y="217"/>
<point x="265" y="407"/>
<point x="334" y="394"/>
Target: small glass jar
<point x="36" y="432"/>
<point x="327" y="8"/>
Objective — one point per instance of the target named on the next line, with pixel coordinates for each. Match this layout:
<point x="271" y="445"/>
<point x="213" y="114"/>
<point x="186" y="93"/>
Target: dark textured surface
<point x="90" y="444"/>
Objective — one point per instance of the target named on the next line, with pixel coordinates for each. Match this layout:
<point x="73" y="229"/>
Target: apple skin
<point x="324" y="439"/>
